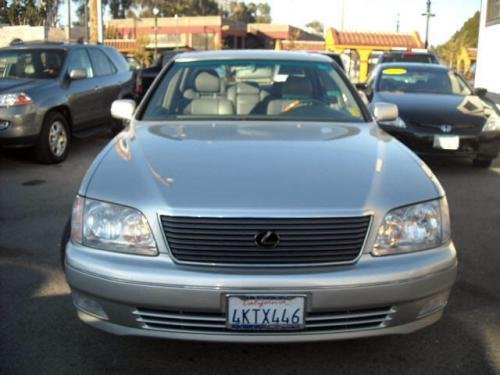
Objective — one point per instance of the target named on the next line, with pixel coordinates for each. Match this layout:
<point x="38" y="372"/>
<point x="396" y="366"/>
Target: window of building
<point x="493" y="11"/>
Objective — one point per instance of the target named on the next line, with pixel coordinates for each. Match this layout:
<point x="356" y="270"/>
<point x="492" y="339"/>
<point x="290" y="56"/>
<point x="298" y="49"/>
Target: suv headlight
<point x="14" y="99"/>
<point x="492" y="124"/>
<point x="111" y="227"/>
<point x="413" y="228"/>
<point x="397" y="123"/>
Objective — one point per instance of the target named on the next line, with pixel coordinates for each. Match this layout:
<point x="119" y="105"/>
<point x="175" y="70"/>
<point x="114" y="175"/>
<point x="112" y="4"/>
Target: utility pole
<point x="428" y="14"/>
<point x="397" y="22"/>
<point x="69" y="20"/>
<point x="95" y="7"/>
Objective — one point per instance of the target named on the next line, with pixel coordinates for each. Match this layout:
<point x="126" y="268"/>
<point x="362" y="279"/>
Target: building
<point x="29" y="33"/>
<point x="200" y="33"/>
<point x="465" y="61"/>
<point x="285" y="37"/>
<point x="363" y="46"/>
<point x="488" y="53"/>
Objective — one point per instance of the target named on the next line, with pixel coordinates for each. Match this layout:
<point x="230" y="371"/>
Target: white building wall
<point x="488" y="56"/>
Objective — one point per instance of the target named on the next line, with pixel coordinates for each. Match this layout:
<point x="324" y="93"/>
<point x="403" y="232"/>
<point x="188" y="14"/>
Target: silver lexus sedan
<point x="253" y="198"/>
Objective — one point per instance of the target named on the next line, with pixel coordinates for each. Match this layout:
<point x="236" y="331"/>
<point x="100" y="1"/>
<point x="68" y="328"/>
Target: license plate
<point x="261" y="313"/>
<point x="447" y="142"/>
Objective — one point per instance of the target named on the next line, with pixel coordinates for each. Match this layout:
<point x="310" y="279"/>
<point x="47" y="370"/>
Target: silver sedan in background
<point x="254" y="199"/>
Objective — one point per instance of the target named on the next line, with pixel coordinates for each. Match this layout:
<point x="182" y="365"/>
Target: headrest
<point x="207" y="82"/>
<point x="297" y="87"/>
<point x="247" y="88"/>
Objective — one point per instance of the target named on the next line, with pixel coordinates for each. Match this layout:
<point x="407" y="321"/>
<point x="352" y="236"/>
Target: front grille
<point x="457" y="129"/>
<point x="233" y="240"/>
<point x="216" y="322"/>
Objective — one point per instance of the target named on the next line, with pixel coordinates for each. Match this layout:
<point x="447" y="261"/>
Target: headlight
<point x="413" y="228"/>
<point x="398" y="123"/>
<point x="14" y="99"/>
<point x="492" y="124"/>
<point x="111" y="227"/>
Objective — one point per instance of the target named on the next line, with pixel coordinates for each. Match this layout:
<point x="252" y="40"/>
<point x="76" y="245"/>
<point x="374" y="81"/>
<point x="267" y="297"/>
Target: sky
<point x="378" y="15"/>
<point x="369" y="15"/>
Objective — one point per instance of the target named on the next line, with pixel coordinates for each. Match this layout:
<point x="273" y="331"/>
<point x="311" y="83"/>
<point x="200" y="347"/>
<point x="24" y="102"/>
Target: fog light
<point x="89" y="306"/>
<point x="433" y="304"/>
<point x="4" y="125"/>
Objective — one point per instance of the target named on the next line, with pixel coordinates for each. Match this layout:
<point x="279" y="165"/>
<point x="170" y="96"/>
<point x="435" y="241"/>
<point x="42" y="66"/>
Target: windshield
<point x="253" y="89"/>
<point x="35" y="63"/>
<point x="421" y="80"/>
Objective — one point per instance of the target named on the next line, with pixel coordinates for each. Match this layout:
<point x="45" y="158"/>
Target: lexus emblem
<point x="267" y="239"/>
<point x="446" y="128"/>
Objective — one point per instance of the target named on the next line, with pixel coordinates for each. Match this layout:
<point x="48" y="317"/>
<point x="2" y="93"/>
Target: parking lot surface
<point x="40" y="333"/>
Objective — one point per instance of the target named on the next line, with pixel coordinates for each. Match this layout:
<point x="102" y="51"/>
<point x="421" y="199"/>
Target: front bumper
<point x="481" y="145"/>
<point x="24" y="126"/>
<point x="124" y="286"/>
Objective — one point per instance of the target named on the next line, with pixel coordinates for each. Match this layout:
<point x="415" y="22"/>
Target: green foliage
<point x="316" y="26"/>
<point x="27" y="12"/>
<point x="248" y="12"/>
<point x="181" y="7"/>
<point x="466" y="37"/>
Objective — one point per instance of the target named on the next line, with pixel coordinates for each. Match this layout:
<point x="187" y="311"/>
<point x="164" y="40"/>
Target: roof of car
<point x="48" y="45"/>
<point x="251" y="55"/>
<point x="427" y="66"/>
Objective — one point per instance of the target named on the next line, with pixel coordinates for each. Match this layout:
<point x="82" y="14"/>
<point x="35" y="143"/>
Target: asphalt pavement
<point x="40" y="333"/>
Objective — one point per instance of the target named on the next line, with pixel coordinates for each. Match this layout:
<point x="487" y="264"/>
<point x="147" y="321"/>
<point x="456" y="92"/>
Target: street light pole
<point x="428" y="14"/>
<point x="155" y="12"/>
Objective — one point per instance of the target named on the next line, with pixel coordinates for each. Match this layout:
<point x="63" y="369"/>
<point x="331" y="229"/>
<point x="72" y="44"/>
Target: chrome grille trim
<point x="216" y="322"/>
<point x="231" y="241"/>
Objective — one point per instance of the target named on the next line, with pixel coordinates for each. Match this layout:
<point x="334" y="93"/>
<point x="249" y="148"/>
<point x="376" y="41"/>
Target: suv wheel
<point x="482" y="163"/>
<point x="54" y="140"/>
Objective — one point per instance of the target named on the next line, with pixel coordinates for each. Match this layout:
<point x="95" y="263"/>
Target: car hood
<point x="437" y="108"/>
<point x="239" y="168"/>
<point x="21" y="84"/>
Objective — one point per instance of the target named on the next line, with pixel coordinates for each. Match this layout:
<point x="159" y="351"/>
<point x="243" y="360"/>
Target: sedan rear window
<point x="253" y="89"/>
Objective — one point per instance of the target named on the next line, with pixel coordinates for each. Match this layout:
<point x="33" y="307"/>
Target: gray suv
<point x="50" y="91"/>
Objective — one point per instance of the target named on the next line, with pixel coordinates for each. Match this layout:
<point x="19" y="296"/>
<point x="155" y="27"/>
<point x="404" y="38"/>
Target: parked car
<point x="417" y="56"/>
<point x="50" y="91"/>
<point x="280" y="212"/>
<point x="133" y="63"/>
<point x="439" y="113"/>
<point x="145" y="77"/>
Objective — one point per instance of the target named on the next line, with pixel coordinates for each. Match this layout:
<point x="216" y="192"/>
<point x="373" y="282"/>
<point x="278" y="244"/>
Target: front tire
<point x="482" y="163"/>
<point x="54" y="140"/>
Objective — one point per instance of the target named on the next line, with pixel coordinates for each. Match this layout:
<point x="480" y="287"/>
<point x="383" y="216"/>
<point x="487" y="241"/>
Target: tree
<point x="249" y="12"/>
<point x="181" y="7"/>
<point x="3" y="11"/>
<point x="466" y="37"/>
<point x="316" y="26"/>
<point x="118" y="8"/>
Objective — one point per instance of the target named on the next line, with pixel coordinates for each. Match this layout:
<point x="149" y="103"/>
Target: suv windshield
<point x="421" y="80"/>
<point x="31" y="63"/>
<point x="253" y="89"/>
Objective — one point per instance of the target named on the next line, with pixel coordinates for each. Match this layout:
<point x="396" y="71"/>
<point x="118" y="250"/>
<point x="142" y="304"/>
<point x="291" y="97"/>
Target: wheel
<point x="54" y="140"/>
<point x="482" y="163"/>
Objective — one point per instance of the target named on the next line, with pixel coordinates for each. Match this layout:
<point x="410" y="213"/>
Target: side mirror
<point x="123" y="109"/>
<point x="480" y="91"/>
<point x="76" y="74"/>
<point x="385" y="111"/>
